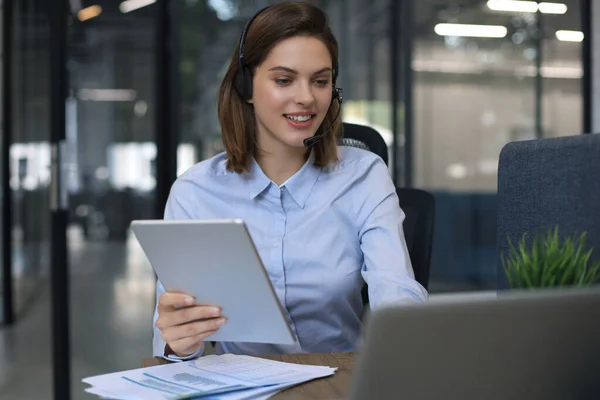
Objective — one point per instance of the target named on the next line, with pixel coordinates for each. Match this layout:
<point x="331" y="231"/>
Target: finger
<point x="191" y="314"/>
<point x="189" y="345"/>
<point x="171" y="300"/>
<point x="169" y="318"/>
<point x="192" y="329"/>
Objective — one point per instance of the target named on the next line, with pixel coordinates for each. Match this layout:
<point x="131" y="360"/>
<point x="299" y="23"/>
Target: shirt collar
<point x="256" y="180"/>
<point x="302" y="182"/>
<point x="298" y="186"/>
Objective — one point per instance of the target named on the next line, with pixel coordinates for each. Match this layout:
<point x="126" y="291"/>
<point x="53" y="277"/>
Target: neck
<point x="280" y="166"/>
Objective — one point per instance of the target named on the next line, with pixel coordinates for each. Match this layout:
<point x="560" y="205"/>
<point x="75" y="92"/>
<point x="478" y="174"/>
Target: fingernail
<point x="221" y="322"/>
<point x="215" y="312"/>
<point x="189" y="300"/>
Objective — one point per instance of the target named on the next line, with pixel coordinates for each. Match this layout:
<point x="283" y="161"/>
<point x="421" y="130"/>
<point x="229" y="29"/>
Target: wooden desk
<point x="332" y="387"/>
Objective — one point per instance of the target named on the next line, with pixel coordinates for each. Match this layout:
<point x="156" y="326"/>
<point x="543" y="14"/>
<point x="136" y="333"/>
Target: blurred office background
<point x="446" y="83"/>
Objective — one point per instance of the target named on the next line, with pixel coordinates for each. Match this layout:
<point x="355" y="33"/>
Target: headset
<point x="243" y="83"/>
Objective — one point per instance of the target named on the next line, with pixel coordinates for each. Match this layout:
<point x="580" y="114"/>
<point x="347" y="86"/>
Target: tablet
<point x="216" y="262"/>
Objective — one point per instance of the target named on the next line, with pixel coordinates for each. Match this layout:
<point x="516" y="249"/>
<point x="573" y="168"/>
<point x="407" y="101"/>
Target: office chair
<point x="366" y="138"/>
<point x="417" y="204"/>
<point x="419" y="207"/>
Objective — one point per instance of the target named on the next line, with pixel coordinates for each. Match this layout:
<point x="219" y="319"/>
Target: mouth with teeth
<point x="299" y="118"/>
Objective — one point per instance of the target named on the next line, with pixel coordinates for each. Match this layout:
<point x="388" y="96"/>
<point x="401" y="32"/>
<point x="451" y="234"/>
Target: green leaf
<point x="549" y="261"/>
<point x="537" y="266"/>
<point x="592" y="276"/>
<point x="568" y="267"/>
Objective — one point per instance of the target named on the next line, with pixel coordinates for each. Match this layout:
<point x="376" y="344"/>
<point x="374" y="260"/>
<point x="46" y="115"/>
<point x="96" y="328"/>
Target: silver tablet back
<point x="217" y="262"/>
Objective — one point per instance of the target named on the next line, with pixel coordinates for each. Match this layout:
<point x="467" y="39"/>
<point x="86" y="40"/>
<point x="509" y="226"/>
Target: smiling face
<point x="292" y="91"/>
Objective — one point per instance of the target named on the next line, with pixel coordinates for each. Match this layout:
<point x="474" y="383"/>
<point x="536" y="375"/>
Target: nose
<point x="304" y="94"/>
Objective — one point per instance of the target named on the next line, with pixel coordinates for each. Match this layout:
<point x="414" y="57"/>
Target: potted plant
<point x="550" y="262"/>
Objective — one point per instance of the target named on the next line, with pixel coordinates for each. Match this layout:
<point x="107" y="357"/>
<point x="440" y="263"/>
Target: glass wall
<point x="562" y="72"/>
<point x="111" y="151"/>
<point x="363" y="32"/>
<point x="479" y="84"/>
<point x="30" y="151"/>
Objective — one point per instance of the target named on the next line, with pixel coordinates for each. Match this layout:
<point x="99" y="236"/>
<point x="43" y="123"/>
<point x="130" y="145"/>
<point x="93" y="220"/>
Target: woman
<point x="322" y="217"/>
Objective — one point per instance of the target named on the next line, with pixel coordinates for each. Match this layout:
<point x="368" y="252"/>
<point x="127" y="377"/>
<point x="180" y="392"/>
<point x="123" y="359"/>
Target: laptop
<point x="535" y="345"/>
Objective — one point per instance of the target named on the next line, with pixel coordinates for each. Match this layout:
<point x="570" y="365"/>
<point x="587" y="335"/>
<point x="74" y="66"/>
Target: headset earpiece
<point x="336" y="91"/>
<point x="243" y="82"/>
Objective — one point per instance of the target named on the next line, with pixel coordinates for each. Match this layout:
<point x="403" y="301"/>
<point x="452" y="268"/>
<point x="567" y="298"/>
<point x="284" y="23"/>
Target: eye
<point x="322" y="82"/>
<point x="283" y="81"/>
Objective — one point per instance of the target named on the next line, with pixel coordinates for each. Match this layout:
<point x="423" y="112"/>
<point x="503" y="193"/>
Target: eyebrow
<point x="293" y="71"/>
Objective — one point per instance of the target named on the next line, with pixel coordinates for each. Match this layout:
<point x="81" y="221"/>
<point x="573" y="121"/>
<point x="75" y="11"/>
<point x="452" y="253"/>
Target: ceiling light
<point x="553" y="8"/>
<point x="569" y="36"/>
<point x="512" y="6"/>
<point x="527" y="6"/>
<point x="486" y="31"/>
<point x="131" y="5"/>
<point x="89" y="12"/>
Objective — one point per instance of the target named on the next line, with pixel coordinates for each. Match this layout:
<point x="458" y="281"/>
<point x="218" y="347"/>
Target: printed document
<point x="228" y="376"/>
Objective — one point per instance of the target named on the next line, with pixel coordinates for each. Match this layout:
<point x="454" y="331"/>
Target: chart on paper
<point x="182" y="383"/>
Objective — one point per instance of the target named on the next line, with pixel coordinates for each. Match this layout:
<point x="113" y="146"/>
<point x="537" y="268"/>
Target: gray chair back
<point x="546" y="183"/>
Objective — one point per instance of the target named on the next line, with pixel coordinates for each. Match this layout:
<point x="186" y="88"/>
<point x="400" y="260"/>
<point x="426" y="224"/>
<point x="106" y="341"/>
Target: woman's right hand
<point x="183" y="325"/>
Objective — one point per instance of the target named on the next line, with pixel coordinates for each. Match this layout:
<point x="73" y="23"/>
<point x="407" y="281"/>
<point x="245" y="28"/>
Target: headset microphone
<point x="308" y="142"/>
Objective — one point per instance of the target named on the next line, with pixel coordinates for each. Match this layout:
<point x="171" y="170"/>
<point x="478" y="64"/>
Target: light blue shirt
<point x="319" y="235"/>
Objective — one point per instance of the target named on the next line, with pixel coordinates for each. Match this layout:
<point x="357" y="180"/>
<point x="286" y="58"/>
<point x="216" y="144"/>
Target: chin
<point x="296" y="139"/>
<point x="296" y="143"/>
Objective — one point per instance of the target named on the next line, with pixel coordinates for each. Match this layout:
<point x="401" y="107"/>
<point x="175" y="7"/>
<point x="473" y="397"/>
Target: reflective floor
<point x="111" y="305"/>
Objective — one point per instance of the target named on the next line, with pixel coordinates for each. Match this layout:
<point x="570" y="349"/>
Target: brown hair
<point x="236" y="116"/>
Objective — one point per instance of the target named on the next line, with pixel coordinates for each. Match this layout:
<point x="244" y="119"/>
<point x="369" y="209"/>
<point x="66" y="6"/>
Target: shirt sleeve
<point x="179" y="206"/>
<point x="387" y="268"/>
